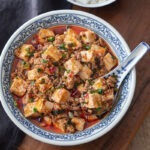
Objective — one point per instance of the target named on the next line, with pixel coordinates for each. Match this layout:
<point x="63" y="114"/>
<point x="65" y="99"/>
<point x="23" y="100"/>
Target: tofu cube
<point x="109" y="95"/>
<point x="93" y="100"/>
<point x="71" y="38"/>
<point x="88" y="36"/>
<point x="43" y="83"/>
<point x="34" y="74"/>
<point x="98" y="50"/>
<point x="18" y="87"/>
<point x="44" y="34"/>
<point x="71" y="33"/>
<point x="59" y="39"/>
<point x="87" y="56"/>
<point x="40" y="105"/>
<point x="61" y="124"/>
<point x="25" y="52"/>
<point x="109" y="61"/>
<point x="60" y="95"/>
<point x="73" y="65"/>
<point x="33" y="109"/>
<point x="53" y="53"/>
<point x="47" y="107"/>
<point x="70" y="128"/>
<point x="47" y="120"/>
<point x="100" y="83"/>
<point x="92" y="117"/>
<point x="81" y="88"/>
<point x="69" y="79"/>
<point x="85" y="73"/>
<point x="79" y="123"/>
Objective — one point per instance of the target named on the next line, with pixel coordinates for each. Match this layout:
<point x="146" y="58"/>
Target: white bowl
<point x="100" y="4"/>
<point x="53" y="18"/>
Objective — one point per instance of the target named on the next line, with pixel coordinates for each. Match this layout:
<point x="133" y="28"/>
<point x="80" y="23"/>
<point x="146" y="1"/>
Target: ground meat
<point x="111" y="81"/>
<point x="57" y="75"/>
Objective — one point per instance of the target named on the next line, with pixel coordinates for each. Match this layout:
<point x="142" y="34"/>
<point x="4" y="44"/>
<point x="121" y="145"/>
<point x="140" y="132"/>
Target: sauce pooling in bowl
<point x="56" y="78"/>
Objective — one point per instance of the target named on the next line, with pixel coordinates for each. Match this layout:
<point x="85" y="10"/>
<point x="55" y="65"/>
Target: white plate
<point x="100" y="4"/>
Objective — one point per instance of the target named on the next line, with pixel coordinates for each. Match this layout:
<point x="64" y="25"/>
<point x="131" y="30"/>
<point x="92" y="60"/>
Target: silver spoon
<point x="124" y="68"/>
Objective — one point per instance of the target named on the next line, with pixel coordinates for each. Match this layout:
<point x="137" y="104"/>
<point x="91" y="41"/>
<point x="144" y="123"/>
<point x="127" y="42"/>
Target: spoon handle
<point x="124" y="68"/>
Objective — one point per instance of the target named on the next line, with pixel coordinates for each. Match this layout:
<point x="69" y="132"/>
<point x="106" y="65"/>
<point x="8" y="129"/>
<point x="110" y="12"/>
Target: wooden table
<point x="132" y="19"/>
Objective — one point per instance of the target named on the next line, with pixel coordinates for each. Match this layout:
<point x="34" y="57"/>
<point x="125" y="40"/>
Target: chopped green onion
<point x="100" y="91"/>
<point x="42" y="81"/>
<point x="31" y="100"/>
<point x="23" y="62"/>
<point x="62" y="46"/>
<point x="35" y="109"/>
<point x="71" y="44"/>
<point x="90" y="82"/>
<point x="68" y="71"/>
<point x="113" y="57"/>
<point x="64" y="55"/>
<point x="30" y="54"/>
<point x="44" y="61"/>
<point x="87" y="47"/>
<point x="51" y="39"/>
<point x="39" y="70"/>
<point x="98" y="109"/>
<point x="27" y="49"/>
<point x="26" y="65"/>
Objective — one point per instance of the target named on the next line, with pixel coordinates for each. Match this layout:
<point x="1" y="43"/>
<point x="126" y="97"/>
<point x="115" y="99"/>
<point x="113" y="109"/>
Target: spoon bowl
<point x="125" y="67"/>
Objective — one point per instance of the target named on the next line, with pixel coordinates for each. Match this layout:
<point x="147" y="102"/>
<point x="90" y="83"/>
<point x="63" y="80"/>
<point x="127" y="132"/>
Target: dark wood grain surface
<point x="132" y="19"/>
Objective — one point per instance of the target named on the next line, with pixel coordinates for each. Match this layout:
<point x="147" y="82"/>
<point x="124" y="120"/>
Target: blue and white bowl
<point x="67" y="17"/>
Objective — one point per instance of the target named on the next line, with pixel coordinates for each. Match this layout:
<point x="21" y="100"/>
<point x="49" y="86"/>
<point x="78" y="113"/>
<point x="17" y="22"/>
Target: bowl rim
<point x="101" y="4"/>
<point x="71" y="143"/>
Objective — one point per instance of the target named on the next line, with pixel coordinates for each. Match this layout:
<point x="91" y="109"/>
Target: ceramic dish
<point x="94" y="5"/>
<point x="67" y="17"/>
